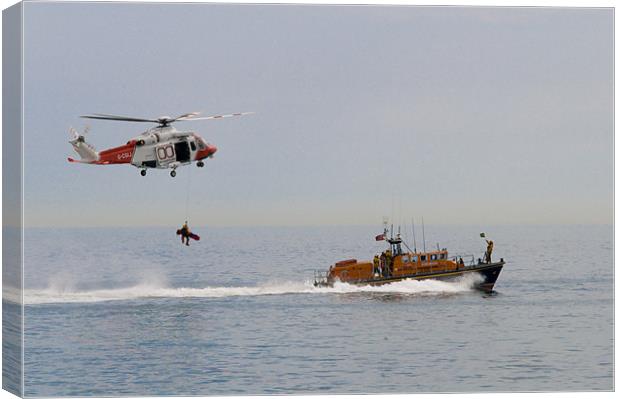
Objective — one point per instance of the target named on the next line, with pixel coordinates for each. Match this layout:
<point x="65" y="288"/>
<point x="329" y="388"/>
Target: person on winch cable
<point x="185" y="234"/>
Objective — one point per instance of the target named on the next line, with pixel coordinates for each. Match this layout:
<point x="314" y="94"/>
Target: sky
<point x="460" y="115"/>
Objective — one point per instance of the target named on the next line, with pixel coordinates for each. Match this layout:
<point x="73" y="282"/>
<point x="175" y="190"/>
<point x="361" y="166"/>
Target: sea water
<point x="134" y="312"/>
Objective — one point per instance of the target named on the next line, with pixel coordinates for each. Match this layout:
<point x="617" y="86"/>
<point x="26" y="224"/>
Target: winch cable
<point x="189" y="178"/>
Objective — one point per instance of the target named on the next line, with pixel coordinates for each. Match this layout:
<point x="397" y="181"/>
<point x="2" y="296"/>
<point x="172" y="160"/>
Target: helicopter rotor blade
<point x="118" y="118"/>
<point x="164" y="120"/>
<point x="185" y="116"/>
<point x="213" y="117"/>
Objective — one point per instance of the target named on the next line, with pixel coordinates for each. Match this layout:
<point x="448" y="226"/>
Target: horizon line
<point x="504" y="224"/>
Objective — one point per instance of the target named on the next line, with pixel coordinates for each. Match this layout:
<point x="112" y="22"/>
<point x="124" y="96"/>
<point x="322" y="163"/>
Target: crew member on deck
<point x="388" y="261"/>
<point x="487" y="255"/>
<point x="375" y="263"/>
<point x="383" y="264"/>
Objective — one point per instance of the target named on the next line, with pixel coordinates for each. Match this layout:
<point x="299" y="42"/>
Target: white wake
<point x="141" y="291"/>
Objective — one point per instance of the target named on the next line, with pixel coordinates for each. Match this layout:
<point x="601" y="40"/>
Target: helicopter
<point x="159" y="147"/>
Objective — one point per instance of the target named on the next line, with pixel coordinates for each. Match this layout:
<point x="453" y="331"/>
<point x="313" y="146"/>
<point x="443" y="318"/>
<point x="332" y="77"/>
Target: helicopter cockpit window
<point x="201" y="143"/>
<point x="193" y="145"/>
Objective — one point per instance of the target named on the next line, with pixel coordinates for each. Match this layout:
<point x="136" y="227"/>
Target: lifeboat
<point x="395" y="264"/>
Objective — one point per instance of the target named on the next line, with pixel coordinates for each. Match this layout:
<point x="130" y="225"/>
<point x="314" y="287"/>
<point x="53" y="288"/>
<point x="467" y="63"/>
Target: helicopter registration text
<point x="121" y="154"/>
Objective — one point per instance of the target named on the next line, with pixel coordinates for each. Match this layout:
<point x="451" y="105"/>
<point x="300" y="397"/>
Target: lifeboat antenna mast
<point x="415" y="247"/>
<point x="385" y="224"/>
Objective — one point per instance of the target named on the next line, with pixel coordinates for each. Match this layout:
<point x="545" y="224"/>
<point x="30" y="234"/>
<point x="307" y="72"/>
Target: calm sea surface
<point x="133" y="312"/>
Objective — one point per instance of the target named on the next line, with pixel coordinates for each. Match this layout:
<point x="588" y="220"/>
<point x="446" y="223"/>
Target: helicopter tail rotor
<point x="85" y="150"/>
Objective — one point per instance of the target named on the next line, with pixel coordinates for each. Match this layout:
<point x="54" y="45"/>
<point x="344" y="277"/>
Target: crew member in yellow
<point x="487" y="255"/>
<point x="375" y="263"/>
<point x="388" y="260"/>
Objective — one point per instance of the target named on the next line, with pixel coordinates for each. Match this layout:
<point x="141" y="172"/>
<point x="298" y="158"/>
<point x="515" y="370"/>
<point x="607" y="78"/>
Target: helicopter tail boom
<point x="116" y="155"/>
<point x="120" y="154"/>
<point x="88" y="154"/>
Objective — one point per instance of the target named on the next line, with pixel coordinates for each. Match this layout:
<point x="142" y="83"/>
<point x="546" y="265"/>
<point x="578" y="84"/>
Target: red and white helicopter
<point x="161" y="147"/>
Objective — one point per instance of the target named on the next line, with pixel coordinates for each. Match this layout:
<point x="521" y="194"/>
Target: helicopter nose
<point x="212" y="149"/>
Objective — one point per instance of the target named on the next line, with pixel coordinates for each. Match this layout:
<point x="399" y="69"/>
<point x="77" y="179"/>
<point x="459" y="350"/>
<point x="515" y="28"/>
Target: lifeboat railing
<point x="469" y="260"/>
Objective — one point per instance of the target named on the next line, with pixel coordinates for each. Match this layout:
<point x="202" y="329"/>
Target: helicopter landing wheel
<point x="143" y="172"/>
<point x="200" y="164"/>
<point x="173" y="173"/>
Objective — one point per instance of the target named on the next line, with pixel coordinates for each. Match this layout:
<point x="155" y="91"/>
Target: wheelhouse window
<point x="423" y="258"/>
<point x="414" y="259"/>
<point x="434" y="257"/>
<point x="442" y="256"/>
